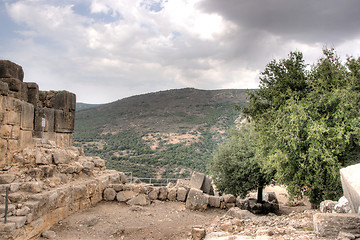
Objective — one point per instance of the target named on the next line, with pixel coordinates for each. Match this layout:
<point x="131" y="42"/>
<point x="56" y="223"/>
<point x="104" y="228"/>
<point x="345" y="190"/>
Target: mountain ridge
<point x="166" y="133"/>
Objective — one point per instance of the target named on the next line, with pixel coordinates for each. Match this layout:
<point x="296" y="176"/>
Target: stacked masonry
<point x="27" y="114"/>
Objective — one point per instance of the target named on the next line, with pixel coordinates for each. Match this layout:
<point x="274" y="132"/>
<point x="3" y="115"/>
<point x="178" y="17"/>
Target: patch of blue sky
<point x="83" y="9"/>
<point x="153" y="5"/>
<point x="8" y="27"/>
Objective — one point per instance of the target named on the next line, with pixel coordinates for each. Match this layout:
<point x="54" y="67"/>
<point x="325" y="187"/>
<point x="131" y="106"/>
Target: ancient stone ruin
<point x="29" y="116"/>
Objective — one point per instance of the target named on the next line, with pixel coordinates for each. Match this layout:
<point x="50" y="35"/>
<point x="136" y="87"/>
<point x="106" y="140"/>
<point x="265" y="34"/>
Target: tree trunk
<point x="260" y="195"/>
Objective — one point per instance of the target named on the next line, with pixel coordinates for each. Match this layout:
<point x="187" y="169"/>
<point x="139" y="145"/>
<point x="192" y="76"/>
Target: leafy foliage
<point x="308" y="122"/>
<point x="234" y="166"/>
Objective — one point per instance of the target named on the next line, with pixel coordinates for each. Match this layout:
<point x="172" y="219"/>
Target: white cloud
<point x="109" y="49"/>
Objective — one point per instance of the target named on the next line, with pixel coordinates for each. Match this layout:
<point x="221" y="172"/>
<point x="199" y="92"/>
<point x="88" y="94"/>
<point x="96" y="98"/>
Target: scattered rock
<point x="49" y="234"/>
<point x="109" y="194"/>
<point x="198" y="233"/>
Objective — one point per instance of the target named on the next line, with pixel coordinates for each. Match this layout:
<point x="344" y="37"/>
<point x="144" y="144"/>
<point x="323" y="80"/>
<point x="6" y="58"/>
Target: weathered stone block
<point x="64" y="121"/>
<point x="153" y="195"/>
<point x="12" y="118"/>
<point x="13" y="145"/>
<point x="241" y="214"/>
<point x="33" y="93"/>
<point x="197" y="180"/>
<point x="4" y="89"/>
<point x="207" y="185"/>
<point x="26" y="139"/>
<point x="5" y="131"/>
<point x="49" y="115"/>
<point x="64" y="139"/>
<point x="27" y="116"/>
<point x="6" y="178"/>
<point x="61" y="157"/>
<point x="351" y="185"/>
<point x="330" y="224"/>
<point x="9" y="69"/>
<point x="182" y="194"/>
<point x="15" y="132"/>
<point x="163" y="192"/>
<point x="196" y="200"/>
<point x="124" y="196"/>
<point x="14" y="84"/>
<point x="24" y="92"/>
<point x="109" y="194"/>
<point x="229" y="198"/>
<point x="140" y="199"/>
<point x="214" y="201"/>
<point x="172" y="194"/>
<point x="18" y="220"/>
<point x="3" y="149"/>
<point x="64" y="100"/>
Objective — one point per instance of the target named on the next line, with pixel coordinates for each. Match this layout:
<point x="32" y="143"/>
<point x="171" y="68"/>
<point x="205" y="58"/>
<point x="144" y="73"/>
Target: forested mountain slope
<point x="161" y="134"/>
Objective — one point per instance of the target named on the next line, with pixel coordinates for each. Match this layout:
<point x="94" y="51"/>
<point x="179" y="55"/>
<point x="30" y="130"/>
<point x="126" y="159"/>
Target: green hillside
<point x="162" y="134"/>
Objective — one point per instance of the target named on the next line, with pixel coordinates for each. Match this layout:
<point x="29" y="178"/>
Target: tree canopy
<point x="307" y="121"/>
<point x="234" y="168"/>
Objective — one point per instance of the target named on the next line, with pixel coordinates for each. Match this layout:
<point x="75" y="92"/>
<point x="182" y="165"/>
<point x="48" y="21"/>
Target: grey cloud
<point x="308" y="21"/>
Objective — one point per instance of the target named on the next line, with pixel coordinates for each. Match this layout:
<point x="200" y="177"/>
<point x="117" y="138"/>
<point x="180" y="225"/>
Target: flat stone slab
<point x="350" y="180"/>
<point x="330" y="224"/>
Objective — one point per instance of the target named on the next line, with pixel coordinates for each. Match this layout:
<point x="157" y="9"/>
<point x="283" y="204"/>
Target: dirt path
<point x="113" y="220"/>
<point x="160" y="220"/>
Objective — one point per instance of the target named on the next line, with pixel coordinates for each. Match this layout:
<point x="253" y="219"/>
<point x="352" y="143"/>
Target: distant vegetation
<point x="162" y="134"/>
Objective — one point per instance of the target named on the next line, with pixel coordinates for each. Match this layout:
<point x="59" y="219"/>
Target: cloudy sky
<point x="104" y="50"/>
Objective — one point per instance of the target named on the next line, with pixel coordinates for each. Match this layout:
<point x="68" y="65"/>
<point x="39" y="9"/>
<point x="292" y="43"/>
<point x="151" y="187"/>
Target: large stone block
<point x="64" y="100"/>
<point x="49" y="115"/>
<point x="5" y="131"/>
<point x="64" y="139"/>
<point x="9" y="69"/>
<point x="15" y="85"/>
<point x="4" y="88"/>
<point x="3" y="149"/>
<point x="330" y="224"/>
<point x="12" y="118"/>
<point x="196" y="200"/>
<point x="26" y="139"/>
<point x="350" y="181"/>
<point x="33" y="93"/>
<point x="27" y="116"/>
<point x="11" y="104"/>
<point x="64" y="121"/>
<point x="207" y="185"/>
<point x="197" y="180"/>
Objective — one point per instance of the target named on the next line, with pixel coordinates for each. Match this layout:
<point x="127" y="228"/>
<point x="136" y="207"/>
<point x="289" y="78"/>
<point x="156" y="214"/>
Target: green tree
<point x="234" y="168"/>
<point x="307" y="132"/>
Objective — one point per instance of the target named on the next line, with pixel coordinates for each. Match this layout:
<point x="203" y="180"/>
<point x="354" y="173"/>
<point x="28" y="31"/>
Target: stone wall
<point x="29" y="116"/>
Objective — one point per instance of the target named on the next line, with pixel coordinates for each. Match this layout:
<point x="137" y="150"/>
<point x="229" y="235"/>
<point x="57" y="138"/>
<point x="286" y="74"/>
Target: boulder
<point x="172" y="194"/>
<point x="327" y="206"/>
<point x="163" y="192"/>
<point x="197" y="180"/>
<point x="330" y="224"/>
<point x="229" y="198"/>
<point x="197" y="200"/>
<point x="198" y="233"/>
<point x="109" y="194"/>
<point x="49" y="234"/>
<point x="182" y="194"/>
<point x="236" y="212"/>
<point x="214" y="201"/>
<point x="125" y="196"/>
<point x="140" y="199"/>
<point x="342" y="206"/>
<point x="351" y="185"/>
<point x="154" y="194"/>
